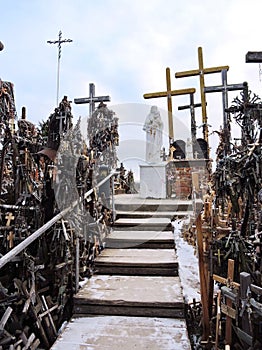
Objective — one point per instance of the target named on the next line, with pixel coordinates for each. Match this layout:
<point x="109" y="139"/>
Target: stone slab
<point x="140" y="239"/>
<point x="161" y="262"/>
<point x="131" y="296"/>
<point x="144" y="223"/>
<point x="153" y="181"/>
<point x="133" y="202"/>
<point x="123" y="333"/>
<point x="137" y="256"/>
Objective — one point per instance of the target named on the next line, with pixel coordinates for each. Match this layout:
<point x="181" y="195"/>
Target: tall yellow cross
<point x="201" y="71"/>
<point x="168" y="93"/>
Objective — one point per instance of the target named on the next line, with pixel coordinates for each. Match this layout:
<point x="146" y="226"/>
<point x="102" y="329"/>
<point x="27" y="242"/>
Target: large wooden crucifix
<point x="92" y="99"/>
<point x="224" y="88"/>
<point x="169" y="93"/>
<point x="201" y="71"/>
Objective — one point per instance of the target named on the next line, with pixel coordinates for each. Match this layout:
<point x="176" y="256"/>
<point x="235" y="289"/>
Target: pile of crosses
<point x="228" y="237"/>
<point x="43" y="171"/>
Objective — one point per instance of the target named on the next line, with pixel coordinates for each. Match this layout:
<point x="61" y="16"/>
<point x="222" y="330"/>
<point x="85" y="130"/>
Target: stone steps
<point x="134" y="300"/>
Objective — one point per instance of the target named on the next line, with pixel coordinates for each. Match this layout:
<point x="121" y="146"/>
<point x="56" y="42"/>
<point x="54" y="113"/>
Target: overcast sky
<point x="124" y="47"/>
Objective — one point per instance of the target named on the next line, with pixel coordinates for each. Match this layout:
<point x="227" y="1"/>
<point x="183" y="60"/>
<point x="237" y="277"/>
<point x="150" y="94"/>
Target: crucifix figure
<point x="92" y="99"/>
<point x="201" y="71"/>
<point x="169" y="93"/>
<point x="224" y="88"/>
<point x="59" y="42"/>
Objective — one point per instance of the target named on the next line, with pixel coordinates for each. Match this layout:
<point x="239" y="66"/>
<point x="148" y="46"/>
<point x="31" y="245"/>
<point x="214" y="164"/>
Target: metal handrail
<point x="21" y="246"/>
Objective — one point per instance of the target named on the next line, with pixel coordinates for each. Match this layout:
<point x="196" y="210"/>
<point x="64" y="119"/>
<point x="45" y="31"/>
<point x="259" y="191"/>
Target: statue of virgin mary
<point x="153" y="127"/>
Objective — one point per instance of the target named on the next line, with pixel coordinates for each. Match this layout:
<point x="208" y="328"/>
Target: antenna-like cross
<point x="59" y="42"/>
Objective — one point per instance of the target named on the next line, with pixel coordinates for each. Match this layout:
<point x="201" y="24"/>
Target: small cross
<point x="9" y="218"/>
<point x="92" y="99"/>
<point x="10" y="239"/>
<point x="61" y="119"/>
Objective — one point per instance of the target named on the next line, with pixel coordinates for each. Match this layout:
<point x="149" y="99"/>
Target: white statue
<point x="189" y="149"/>
<point x="154" y="129"/>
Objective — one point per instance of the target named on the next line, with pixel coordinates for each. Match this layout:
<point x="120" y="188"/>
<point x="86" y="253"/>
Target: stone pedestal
<point x="153" y="180"/>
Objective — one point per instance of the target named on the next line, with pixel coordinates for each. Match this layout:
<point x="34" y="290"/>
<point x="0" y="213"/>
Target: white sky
<point x="124" y="47"/>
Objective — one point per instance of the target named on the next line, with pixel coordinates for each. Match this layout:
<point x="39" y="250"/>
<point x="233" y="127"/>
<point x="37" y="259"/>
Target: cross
<point x="201" y="71"/>
<point x="10" y="239"/>
<point x="224" y="88"/>
<point x="9" y="218"/>
<point x="192" y="107"/>
<point x="59" y="42"/>
<point x="92" y="99"/>
<point x="61" y="119"/>
<point x="169" y="93"/>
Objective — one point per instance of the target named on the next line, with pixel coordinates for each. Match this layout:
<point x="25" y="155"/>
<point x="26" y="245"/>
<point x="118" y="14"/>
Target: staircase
<point x="134" y="300"/>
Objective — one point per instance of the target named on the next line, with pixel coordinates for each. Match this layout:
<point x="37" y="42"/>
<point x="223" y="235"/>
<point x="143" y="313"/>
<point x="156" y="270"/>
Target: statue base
<point x="153" y="182"/>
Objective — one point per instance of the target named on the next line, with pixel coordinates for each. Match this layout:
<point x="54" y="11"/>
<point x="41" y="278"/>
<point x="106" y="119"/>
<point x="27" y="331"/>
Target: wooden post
<point x="218" y="319"/>
<point x="203" y="279"/>
<point x="230" y="277"/>
<point x="245" y="282"/>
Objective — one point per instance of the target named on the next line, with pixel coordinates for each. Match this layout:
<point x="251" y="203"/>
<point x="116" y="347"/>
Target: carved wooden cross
<point x="92" y="99"/>
<point x="201" y="71"/>
<point x="169" y="93"/>
<point x="10" y="217"/>
<point x="224" y="88"/>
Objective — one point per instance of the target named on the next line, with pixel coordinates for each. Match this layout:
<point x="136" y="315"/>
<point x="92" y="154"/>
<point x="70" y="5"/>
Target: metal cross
<point x="169" y="93"/>
<point x="92" y="99"/>
<point x="59" y="42"/>
<point x="201" y="71"/>
<point x="224" y="88"/>
<point x="192" y="107"/>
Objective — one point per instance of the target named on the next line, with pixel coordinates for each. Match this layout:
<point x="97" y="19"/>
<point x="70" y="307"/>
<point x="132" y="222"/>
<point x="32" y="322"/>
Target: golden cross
<point x="168" y="93"/>
<point x="201" y="71"/>
<point x="9" y="218"/>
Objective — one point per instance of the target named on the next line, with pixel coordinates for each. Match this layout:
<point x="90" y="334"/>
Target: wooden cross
<point x="192" y="107"/>
<point x="92" y="99"/>
<point x="224" y="88"/>
<point x="10" y="239"/>
<point x="169" y="93"/>
<point x="9" y="218"/>
<point x="201" y="71"/>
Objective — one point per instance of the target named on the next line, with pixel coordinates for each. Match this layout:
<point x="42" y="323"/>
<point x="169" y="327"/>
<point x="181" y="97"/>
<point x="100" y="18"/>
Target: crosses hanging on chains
<point x="59" y="42"/>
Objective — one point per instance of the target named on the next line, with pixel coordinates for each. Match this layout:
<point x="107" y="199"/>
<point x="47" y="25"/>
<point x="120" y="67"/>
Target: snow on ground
<point x="188" y="265"/>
